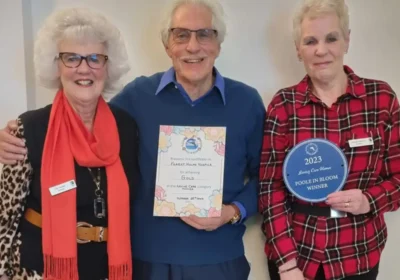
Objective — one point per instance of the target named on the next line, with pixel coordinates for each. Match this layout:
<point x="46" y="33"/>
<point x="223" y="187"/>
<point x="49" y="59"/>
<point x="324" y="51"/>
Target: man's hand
<point x="209" y="224"/>
<point x="12" y="148"/>
<point x="351" y="201"/>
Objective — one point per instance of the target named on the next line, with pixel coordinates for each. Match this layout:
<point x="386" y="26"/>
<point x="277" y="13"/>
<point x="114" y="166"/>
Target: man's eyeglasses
<point x="203" y="36"/>
<point x="73" y="60"/>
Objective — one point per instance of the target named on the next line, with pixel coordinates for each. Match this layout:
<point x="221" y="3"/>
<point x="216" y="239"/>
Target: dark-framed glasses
<point x="203" y="36"/>
<point x="73" y="60"/>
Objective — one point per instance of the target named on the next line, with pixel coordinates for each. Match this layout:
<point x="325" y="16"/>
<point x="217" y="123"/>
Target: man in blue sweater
<point x="193" y="93"/>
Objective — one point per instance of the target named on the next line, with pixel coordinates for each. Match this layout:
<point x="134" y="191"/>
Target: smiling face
<point x="82" y="84"/>
<point x="322" y="46"/>
<point x="193" y="61"/>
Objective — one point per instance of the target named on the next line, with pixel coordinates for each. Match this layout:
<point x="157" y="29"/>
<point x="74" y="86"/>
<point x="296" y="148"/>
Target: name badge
<point x="69" y="185"/>
<point x="354" y="143"/>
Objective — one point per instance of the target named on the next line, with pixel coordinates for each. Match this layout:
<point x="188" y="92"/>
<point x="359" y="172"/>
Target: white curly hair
<point x="83" y="26"/>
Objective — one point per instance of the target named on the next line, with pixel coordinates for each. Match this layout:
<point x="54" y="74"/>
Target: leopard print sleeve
<point x="14" y="189"/>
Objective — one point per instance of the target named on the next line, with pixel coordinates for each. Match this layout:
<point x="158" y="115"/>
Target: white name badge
<point x="69" y="185"/>
<point x="354" y="143"/>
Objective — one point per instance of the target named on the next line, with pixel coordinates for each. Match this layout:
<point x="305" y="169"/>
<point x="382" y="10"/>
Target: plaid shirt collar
<point x="355" y="88"/>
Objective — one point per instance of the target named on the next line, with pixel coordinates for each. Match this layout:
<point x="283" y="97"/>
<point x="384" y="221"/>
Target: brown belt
<point x="85" y="232"/>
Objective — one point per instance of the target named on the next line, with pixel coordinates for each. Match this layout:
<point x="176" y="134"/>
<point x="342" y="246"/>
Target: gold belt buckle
<point x="101" y="234"/>
<point x="83" y="224"/>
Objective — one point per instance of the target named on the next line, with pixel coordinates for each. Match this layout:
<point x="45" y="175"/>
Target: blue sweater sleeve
<point x="248" y="197"/>
<point x="124" y="99"/>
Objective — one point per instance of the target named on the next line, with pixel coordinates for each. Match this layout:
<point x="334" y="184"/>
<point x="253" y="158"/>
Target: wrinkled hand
<point x="351" y="201"/>
<point x="209" y="224"/>
<point x="295" y="274"/>
<point x="12" y="148"/>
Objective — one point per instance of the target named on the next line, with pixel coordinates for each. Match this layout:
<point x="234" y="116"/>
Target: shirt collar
<point x="169" y="77"/>
<point x="355" y="88"/>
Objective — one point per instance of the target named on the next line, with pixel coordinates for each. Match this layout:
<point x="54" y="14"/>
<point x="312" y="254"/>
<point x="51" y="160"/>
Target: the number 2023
<point x="313" y="160"/>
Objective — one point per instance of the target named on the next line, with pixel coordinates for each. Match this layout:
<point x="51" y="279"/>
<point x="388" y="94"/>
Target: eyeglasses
<point x="203" y="36"/>
<point x="73" y="60"/>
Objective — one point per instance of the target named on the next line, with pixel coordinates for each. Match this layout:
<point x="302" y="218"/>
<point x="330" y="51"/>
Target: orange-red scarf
<point x="68" y="139"/>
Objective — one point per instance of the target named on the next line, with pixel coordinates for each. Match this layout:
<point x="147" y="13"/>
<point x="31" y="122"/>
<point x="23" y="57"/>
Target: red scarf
<point x="68" y="139"/>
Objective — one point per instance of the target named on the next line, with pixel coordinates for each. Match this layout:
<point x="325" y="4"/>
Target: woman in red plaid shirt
<point x="331" y="102"/>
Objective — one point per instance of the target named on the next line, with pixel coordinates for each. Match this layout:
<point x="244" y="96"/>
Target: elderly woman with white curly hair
<point x="342" y="235"/>
<point x="65" y="206"/>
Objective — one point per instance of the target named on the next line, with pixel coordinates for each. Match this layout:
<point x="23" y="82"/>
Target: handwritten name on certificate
<point x="190" y="171"/>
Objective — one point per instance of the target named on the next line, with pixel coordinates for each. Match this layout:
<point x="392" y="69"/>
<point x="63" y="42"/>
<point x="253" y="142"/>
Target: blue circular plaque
<point x="315" y="168"/>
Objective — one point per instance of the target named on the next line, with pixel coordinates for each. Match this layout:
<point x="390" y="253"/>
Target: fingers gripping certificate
<point x="190" y="171"/>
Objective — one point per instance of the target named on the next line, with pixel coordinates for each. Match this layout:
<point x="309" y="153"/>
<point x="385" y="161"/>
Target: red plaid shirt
<point x="344" y="246"/>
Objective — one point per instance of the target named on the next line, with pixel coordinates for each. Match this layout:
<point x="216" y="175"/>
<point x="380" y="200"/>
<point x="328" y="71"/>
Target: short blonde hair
<point x="83" y="26"/>
<point x="316" y="8"/>
<point x="215" y="8"/>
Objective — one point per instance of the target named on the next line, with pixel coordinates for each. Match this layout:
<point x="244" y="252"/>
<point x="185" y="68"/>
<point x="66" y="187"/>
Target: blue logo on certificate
<point x="192" y="144"/>
<point x="315" y="168"/>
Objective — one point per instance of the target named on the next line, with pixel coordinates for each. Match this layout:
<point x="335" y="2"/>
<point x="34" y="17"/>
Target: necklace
<point x="99" y="205"/>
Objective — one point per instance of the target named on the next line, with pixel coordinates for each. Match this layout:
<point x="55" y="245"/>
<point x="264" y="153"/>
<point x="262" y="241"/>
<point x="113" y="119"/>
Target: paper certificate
<point x="190" y="171"/>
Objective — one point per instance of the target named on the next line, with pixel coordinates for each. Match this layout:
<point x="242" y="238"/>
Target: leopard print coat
<point x="14" y="189"/>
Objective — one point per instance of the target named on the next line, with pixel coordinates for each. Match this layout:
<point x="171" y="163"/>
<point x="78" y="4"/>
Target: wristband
<point x="287" y="270"/>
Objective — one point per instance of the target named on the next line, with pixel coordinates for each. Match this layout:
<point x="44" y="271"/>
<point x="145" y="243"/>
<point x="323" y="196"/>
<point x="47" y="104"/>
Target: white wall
<point x="13" y="97"/>
<point x="12" y="70"/>
<point x="258" y="50"/>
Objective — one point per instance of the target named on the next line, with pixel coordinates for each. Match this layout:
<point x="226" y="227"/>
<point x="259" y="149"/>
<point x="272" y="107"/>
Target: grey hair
<point x="316" y="8"/>
<point x="81" y="25"/>
<point x="218" y="22"/>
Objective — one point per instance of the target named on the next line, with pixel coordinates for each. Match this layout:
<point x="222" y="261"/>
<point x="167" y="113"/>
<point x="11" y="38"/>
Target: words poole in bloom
<point x="316" y="183"/>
